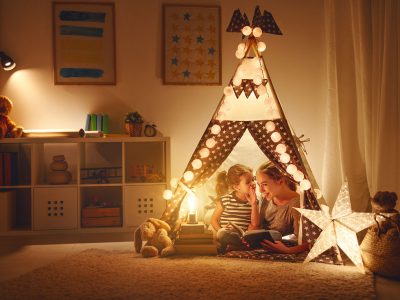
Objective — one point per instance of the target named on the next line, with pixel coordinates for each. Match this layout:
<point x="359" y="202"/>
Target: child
<point x="239" y="206"/>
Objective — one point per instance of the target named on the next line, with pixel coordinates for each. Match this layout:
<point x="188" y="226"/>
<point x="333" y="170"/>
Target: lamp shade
<point x="7" y="62"/>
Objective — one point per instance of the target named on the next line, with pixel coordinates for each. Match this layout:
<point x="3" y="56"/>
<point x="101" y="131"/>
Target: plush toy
<point x="155" y="232"/>
<point x="7" y="127"/>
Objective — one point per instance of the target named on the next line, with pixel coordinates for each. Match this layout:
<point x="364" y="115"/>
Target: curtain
<point x="362" y="139"/>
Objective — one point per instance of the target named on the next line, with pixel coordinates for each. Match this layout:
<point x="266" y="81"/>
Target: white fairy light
<point x="174" y="182"/>
<point x="298" y="176"/>
<point x="276" y="137"/>
<point x="167" y="194"/>
<point x="261" y="46"/>
<point x="215" y="129"/>
<point x="239" y="54"/>
<point x="228" y="90"/>
<point x="246" y="30"/>
<point x="305" y="184"/>
<point x="257" y="80"/>
<point x="210" y="143"/>
<point x="204" y="152"/>
<point x="196" y="164"/>
<point x="280" y="148"/>
<point x="241" y="47"/>
<point x="188" y="176"/>
<point x="257" y="32"/>
<point x="284" y="158"/>
<point x="237" y="81"/>
<point x="270" y="126"/>
<point x="291" y="169"/>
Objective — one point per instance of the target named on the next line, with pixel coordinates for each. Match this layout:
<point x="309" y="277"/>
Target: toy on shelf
<point x="145" y="173"/>
<point x="59" y="173"/>
<point x="8" y="128"/>
<point x="102" y="174"/>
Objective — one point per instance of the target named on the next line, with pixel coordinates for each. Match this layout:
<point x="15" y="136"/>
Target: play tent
<point x="249" y="116"/>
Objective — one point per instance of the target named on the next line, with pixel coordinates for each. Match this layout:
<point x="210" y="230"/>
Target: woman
<point x="277" y="209"/>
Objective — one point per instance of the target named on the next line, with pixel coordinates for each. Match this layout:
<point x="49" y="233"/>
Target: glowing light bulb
<point x="237" y="81"/>
<point x="210" y="143"/>
<point x="298" y="176"/>
<point x="241" y="46"/>
<point x="257" y="80"/>
<point x="270" y="126"/>
<point x="305" y="185"/>
<point x="204" y="152"/>
<point x="257" y="32"/>
<point x="280" y="148"/>
<point x="167" y="194"/>
<point x="276" y="137"/>
<point x="246" y="30"/>
<point x="291" y="169"/>
<point x="284" y="158"/>
<point x="174" y="182"/>
<point x="188" y="176"/>
<point x="261" y="46"/>
<point x="196" y="164"/>
<point x="215" y="129"/>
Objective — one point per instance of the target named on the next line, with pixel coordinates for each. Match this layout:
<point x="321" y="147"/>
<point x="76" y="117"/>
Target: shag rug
<point x="100" y="274"/>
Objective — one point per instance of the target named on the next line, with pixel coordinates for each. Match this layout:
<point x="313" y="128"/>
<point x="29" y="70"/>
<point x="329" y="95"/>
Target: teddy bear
<point x="385" y="202"/>
<point x="7" y="127"/>
<point x="155" y="232"/>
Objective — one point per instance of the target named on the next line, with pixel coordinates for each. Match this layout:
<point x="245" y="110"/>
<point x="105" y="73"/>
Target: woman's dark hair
<point x="268" y="168"/>
<point x="225" y="180"/>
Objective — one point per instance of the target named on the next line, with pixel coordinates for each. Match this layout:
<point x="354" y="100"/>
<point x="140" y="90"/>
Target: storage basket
<point x="381" y="251"/>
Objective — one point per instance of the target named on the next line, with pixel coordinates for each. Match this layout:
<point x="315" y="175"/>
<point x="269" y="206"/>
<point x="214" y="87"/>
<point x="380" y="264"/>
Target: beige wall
<point x="296" y="63"/>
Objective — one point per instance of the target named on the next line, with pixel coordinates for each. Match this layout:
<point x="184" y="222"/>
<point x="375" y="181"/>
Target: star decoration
<point x="339" y="227"/>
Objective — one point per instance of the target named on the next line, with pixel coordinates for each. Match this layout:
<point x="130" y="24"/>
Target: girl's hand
<point x="251" y="196"/>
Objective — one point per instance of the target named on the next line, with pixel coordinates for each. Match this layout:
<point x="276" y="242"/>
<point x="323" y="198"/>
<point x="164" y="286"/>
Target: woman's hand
<point x="277" y="247"/>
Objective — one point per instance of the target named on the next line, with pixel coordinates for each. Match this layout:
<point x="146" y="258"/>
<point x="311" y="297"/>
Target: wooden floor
<point x="21" y="254"/>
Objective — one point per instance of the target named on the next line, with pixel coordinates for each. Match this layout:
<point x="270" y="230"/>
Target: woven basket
<point x="381" y="252"/>
<point x="134" y="129"/>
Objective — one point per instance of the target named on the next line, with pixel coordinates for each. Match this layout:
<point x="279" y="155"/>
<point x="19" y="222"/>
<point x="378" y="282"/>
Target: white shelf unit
<point x="120" y="177"/>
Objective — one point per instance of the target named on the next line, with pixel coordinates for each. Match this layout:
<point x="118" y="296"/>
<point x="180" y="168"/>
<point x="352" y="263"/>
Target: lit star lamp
<point x="339" y="228"/>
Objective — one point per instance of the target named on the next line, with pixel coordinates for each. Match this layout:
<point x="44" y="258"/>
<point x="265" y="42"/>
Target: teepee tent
<point x="249" y="108"/>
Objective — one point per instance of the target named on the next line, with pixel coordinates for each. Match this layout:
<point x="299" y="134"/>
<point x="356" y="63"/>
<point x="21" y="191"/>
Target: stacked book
<point x="97" y="122"/>
<point x="195" y="239"/>
<point x="8" y="168"/>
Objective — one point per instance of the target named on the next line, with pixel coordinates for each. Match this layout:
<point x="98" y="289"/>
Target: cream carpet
<point x="100" y="274"/>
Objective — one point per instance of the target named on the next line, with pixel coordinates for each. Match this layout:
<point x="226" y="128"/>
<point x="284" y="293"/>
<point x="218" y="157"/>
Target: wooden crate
<point x="101" y="217"/>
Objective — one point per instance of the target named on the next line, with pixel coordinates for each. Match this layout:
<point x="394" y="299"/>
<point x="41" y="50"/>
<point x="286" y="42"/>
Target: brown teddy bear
<point x="155" y="232"/>
<point x="7" y="127"/>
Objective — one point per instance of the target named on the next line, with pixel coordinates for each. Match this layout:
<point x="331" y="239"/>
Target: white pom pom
<point x="241" y="47"/>
<point x="257" y="80"/>
<point x="237" y="81"/>
<point x="291" y="169"/>
<point x="305" y="184"/>
<point x="280" y="148"/>
<point x="298" y="176"/>
<point x="261" y="90"/>
<point x="284" y="158"/>
<point x="174" y="182"/>
<point x="261" y="46"/>
<point x="239" y="54"/>
<point x="257" y="32"/>
<point x="246" y="30"/>
<point x="270" y="126"/>
<point x="318" y="193"/>
<point x="210" y="143"/>
<point x="228" y="91"/>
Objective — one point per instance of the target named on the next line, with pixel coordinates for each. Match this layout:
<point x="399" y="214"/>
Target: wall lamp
<point x="7" y="62"/>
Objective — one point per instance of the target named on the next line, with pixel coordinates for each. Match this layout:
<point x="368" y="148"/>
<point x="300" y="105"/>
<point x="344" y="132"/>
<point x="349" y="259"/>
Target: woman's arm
<point x="216" y="215"/>
<point x="279" y="247"/>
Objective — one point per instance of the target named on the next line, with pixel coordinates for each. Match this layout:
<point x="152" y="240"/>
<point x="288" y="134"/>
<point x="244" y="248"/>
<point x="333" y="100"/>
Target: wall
<point x="296" y="63"/>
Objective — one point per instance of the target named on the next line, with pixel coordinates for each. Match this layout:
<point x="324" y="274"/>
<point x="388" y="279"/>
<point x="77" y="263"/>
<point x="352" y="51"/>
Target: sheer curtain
<point x="362" y="141"/>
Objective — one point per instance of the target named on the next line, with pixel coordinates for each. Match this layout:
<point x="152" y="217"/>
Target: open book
<point x="255" y="237"/>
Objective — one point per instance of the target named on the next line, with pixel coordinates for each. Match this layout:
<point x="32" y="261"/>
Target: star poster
<point x="192" y="44"/>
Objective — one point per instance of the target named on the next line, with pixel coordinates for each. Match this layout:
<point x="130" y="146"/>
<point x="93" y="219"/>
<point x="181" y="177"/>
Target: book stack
<point x="97" y="122"/>
<point x="8" y="168"/>
<point x="195" y="239"/>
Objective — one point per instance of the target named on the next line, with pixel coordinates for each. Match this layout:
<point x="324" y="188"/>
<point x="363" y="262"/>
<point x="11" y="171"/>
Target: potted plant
<point x="134" y="123"/>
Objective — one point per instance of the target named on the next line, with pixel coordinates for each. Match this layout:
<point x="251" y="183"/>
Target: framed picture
<point x="84" y="43"/>
<point x="192" y="44"/>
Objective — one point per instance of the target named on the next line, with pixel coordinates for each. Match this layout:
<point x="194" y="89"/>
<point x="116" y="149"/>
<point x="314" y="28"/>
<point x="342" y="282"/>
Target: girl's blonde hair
<point x="269" y="169"/>
<point x="225" y="180"/>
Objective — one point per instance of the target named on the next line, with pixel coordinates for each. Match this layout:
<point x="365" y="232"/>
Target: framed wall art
<point x="83" y="43"/>
<point x="192" y="44"/>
